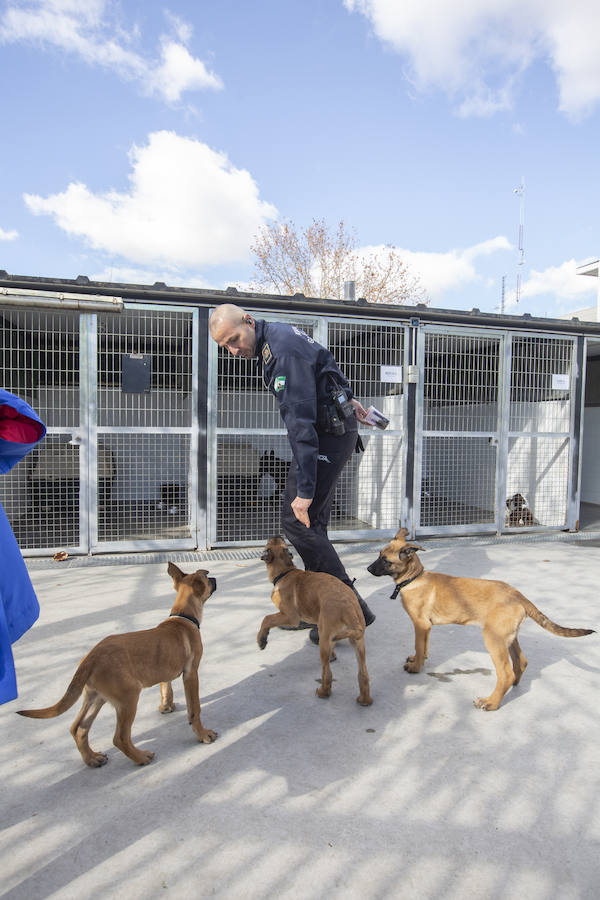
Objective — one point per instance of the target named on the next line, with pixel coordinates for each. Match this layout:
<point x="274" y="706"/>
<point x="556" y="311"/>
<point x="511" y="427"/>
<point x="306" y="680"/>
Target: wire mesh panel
<point x="459" y="486"/>
<point x="143" y="487"/>
<point x="253" y="453"/>
<point x="40" y="362"/>
<point x="369" y="494"/>
<point x="538" y="461"/>
<point x="144" y="461"/>
<point x="458" y="443"/>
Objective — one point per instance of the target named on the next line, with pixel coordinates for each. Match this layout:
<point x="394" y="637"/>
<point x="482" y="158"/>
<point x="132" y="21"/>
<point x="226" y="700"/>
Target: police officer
<point x="320" y="413"/>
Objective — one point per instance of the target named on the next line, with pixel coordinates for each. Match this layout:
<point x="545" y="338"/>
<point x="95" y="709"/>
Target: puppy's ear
<point x="409" y="550"/>
<point x="200" y="583"/>
<point x="289" y="554"/>
<point x="267" y="555"/>
<point x="176" y="574"/>
<point x="401" y="534"/>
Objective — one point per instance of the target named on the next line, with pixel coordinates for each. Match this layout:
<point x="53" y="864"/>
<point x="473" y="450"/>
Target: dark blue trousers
<point x="313" y="544"/>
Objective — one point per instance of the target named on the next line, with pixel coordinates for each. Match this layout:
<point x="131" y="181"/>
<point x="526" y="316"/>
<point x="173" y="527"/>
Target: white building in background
<point x="590" y="459"/>
<point x="590" y="313"/>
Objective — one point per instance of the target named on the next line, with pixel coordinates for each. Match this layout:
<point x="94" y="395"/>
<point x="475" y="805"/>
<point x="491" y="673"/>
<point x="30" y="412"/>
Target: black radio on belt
<point x="337" y="408"/>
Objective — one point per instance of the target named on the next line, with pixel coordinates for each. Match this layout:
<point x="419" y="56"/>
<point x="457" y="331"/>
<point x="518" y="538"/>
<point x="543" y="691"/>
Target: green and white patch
<point x="279" y="384"/>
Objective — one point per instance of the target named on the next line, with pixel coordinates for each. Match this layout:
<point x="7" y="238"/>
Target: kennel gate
<point x="118" y="394"/>
<point x="495" y="420"/>
<point x="249" y="452"/>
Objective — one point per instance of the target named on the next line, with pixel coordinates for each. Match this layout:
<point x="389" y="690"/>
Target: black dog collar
<point x="402" y="584"/>
<point x="189" y="618"/>
<point x="280" y="576"/>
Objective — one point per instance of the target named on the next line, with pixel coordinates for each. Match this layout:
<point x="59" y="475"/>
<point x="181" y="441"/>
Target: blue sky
<point x="145" y="142"/>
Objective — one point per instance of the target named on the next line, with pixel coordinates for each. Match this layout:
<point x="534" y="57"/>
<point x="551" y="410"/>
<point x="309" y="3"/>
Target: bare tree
<point x="317" y="260"/>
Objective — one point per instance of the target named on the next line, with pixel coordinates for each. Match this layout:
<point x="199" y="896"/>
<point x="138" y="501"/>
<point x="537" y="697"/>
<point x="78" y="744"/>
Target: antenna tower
<point x="520" y="191"/>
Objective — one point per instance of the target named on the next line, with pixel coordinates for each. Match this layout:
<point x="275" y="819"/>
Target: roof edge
<point x="159" y="292"/>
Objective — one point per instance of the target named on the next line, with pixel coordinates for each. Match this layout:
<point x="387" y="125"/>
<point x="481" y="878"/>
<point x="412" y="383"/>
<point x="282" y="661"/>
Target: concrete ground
<point x="419" y="796"/>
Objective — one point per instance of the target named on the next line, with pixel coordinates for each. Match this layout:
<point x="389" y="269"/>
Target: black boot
<point x="369" y="616"/>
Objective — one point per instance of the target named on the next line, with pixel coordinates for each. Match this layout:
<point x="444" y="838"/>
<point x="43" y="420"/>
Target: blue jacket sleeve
<point x="295" y="388"/>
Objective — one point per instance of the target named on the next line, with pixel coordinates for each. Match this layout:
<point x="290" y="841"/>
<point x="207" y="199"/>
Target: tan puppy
<point x="121" y="665"/>
<point x="431" y="598"/>
<point x="319" y="599"/>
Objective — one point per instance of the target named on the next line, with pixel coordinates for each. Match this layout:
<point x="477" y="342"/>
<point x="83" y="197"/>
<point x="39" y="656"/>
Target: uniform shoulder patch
<point x="279" y="383"/>
<point x="266" y="354"/>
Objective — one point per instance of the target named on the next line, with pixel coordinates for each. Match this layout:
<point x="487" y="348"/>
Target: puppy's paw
<point x="486" y="704"/>
<point x="95" y="760"/>
<point x="364" y="701"/>
<point x="411" y="666"/>
<point x="167" y="708"/>
<point x="261" y="640"/>
<point x="207" y="736"/>
<point x="323" y="692"/>
<point x="145" y="757"/>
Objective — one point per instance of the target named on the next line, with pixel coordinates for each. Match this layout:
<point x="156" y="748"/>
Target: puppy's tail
<point x="70" y="696"/>
<point x="534" y="613"/>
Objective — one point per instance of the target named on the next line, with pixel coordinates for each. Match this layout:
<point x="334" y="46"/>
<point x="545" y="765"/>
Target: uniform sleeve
<point x="295" y="389"/>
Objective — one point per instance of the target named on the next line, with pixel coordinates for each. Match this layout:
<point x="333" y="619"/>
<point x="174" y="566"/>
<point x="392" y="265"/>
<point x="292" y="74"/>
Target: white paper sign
<point x="560" y="382"/>
<point x="391" y="374"/>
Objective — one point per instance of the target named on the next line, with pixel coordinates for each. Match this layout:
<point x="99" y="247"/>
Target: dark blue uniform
<point x="298" y="372"/>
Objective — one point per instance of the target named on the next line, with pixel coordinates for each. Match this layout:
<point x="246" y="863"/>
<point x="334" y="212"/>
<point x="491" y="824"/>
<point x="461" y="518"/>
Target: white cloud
<point x="130" y="275"/>
<point x="442" y="272"/>
<point x="8" y="235"/>
<point x="562" y="282"/>
<point x="85" y="29"/>
<point x="477" y="51"/>
<point x="187" y="206"/>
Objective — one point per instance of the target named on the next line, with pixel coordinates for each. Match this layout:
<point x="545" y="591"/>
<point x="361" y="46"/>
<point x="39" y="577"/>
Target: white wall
<point x="590" y="464"/>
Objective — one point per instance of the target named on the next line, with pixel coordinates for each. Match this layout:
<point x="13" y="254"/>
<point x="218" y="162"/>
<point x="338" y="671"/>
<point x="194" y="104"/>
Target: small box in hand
<point x="374" y="417"/>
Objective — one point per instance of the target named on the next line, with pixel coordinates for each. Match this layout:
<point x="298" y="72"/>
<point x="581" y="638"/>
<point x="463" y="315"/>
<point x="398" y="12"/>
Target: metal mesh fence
<point x="41" y="495"/>
<point x="461" y="383"/>
<point x="458" y="484"/>
<point x="540" y="410"/>
<point x="540" y="385"/>
<point x="119" y="427"/>
<point x="143" y="487"/>
<point x="370" y="490"/>
<point x="144" y="416"/>
<point x="461" y="391"/>
<point x="145" y="369"/>
<point x="253" y="452"/>
<point x="537" y="481"/>
<point x="39" y="362"/>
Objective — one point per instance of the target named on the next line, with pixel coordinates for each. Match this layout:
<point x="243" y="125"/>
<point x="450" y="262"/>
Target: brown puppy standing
<point x="431" y="598"/>
<point x="121" y="665"/>
<point x="319" y="599"/>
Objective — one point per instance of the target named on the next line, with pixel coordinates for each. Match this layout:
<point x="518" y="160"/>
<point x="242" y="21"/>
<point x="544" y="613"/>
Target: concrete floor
<point x="420" y="795"/>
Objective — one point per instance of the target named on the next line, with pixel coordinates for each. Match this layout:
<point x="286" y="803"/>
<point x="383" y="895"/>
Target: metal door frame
<point x="320" y="329"/>
<point x="421" y="433"/>
<point x="502" y="435"/>
<point x="94" y="430"/>
<point x="574" y="449"/>
<point x="213" y="432"/>
<point x="375" y="534"/>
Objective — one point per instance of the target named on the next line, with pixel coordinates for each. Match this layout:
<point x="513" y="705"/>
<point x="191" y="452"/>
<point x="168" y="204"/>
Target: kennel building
<point x="157" y="439"/>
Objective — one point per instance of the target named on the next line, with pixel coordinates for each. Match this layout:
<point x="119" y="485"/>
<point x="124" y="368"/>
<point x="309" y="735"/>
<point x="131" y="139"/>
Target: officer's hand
<point x="359" y="411"/>
<point x="300" y="510"/>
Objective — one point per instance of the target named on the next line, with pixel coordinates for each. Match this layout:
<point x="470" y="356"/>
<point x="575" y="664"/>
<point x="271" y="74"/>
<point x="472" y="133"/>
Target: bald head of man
<point x="234" y="329"/>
